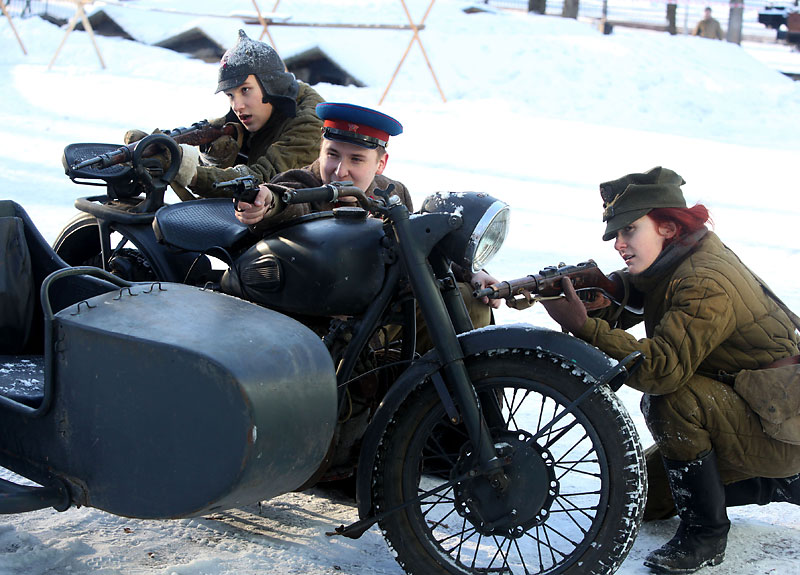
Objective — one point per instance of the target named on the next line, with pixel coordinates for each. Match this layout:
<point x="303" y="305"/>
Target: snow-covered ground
<point x="539" y="111"/>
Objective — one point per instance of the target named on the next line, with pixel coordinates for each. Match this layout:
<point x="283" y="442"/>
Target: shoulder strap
<point x="777" y="300"/>
<point x="767" y="290"/>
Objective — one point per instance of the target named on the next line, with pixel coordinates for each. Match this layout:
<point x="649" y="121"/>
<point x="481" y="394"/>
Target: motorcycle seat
<point x="199" y="225"/>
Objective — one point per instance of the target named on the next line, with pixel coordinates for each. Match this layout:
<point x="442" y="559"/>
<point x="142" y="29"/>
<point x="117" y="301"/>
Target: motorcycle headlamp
<point x="484" y="226"/>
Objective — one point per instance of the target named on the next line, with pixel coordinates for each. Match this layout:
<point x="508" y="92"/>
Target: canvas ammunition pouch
<point x="16" y="286"/>
<point x="774" y="394"/>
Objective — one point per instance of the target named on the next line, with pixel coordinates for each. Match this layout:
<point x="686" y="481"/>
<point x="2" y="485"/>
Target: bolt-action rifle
<point x="197" y="134"/>
<point x="586" y="277"/>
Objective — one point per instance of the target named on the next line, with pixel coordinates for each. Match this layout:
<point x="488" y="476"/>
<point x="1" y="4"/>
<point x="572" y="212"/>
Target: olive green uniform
<point x="282" y="144"/>
<point x="704" y="314"/>
<point x="709" y="28"/>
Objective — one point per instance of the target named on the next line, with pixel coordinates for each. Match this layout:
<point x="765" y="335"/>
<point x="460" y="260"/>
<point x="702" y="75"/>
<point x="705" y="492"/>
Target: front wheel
<point x="576" y="491"/>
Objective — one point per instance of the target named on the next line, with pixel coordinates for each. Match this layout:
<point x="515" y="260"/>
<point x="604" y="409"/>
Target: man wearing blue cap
<point x="353" y="148"/>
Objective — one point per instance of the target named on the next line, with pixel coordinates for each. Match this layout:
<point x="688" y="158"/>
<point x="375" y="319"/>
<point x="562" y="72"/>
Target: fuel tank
<point x="171" y="401"/>
<point x="322" y="264"/>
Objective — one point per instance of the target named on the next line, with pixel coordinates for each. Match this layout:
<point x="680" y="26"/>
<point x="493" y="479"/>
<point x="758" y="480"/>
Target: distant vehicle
<point x="785" y="18"/>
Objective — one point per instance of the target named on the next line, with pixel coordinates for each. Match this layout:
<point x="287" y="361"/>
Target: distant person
<point x="276" y="115"/>
<point x="708" y="27"/>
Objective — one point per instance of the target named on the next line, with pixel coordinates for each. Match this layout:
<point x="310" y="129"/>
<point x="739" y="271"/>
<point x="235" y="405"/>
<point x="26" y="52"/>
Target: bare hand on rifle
<point x="568" y="311"/>
<point x="481" y="280"/>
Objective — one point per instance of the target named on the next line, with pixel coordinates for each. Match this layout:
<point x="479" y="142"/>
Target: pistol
<point x="243" y="189"/>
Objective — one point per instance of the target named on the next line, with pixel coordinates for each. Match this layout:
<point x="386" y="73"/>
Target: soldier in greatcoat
<point x="708" y="320"/>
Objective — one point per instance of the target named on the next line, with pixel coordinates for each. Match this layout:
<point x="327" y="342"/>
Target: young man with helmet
<point x="278" y="126"/>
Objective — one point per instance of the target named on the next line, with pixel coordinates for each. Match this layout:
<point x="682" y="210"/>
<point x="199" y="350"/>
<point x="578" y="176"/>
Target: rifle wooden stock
<point x="585" y="277"/>
<point x="197" y="134"/>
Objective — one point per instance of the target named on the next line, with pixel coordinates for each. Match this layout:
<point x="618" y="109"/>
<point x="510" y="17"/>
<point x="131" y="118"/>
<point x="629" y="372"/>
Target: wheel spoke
<point x="550" y="527"/>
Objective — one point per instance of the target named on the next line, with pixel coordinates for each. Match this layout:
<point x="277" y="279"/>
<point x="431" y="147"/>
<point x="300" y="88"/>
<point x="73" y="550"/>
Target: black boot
<point x="703" y="532"/>
<point x="763" y="490"/>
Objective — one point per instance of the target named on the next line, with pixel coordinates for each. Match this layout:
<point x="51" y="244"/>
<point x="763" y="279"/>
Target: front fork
<point x="443" y="333"/>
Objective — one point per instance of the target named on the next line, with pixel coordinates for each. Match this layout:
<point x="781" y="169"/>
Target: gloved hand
<point x="220" y="153"/>
<point x="189" y="160"/>
<point x="134" y="136"/>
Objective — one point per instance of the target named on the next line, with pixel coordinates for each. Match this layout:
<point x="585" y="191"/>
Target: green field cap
<point x="630" y="197"/>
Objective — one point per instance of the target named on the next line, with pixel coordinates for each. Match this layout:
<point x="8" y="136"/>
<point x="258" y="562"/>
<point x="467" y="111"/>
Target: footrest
<point x="22" y="378"/>
<point x="16" y="498"/>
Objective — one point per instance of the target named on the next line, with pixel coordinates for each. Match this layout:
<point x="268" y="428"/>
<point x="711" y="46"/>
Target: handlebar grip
<point x="325" y="193"/>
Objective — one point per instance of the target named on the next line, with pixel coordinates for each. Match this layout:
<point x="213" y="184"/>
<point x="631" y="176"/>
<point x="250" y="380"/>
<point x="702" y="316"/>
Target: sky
<point x="539" y="110"/>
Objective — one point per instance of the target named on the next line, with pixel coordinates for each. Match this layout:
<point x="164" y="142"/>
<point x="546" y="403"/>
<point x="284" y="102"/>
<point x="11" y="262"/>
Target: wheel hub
<point x="523" y="503"/>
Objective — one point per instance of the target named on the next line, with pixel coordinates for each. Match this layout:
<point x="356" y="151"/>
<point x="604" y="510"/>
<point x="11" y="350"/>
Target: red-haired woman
<point x="707" y="317"/>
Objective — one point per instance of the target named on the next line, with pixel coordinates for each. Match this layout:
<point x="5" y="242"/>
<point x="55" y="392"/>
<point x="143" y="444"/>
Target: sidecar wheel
<point x="576" y="493"/>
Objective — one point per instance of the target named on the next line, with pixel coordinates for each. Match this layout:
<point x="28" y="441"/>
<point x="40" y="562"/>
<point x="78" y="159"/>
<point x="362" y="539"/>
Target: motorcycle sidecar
<point x="165" y="401"/>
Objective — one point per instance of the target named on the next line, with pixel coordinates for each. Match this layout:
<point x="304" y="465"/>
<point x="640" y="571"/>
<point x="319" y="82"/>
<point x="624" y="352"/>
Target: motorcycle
<point x="502" y="449"/>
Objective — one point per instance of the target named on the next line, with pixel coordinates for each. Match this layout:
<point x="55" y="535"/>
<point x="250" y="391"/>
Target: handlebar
<point x="334" y="190"/>
<point x="327" y="193"/>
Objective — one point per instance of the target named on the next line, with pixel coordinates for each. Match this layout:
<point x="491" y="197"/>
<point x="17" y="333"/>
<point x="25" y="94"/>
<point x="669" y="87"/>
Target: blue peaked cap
<point x="357" y="125"/>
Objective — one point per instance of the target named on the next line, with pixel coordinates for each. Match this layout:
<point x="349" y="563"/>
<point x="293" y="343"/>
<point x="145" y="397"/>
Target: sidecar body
<point x="156" y="400"/>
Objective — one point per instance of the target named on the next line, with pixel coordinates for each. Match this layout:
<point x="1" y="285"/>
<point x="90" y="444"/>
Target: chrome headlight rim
<point x="471" y="256"/>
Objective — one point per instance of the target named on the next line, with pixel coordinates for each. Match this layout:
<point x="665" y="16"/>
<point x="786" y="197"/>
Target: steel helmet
<point x="248" y="57"/>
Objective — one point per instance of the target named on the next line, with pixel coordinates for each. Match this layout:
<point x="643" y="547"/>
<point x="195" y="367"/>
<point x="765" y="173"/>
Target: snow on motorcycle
<point x="502" y="449"/>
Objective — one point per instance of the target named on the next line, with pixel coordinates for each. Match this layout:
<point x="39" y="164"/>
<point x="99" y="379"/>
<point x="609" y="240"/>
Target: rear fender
<point x="168" y="265"/>
<point x="557" y="345"/>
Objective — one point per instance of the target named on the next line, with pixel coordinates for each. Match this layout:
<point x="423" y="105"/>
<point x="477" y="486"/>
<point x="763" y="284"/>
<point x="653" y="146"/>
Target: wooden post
<point x="537" y="6"/>
<point x="570" y="9"/>
<point x="672" y="14"/>
<point x="10" y="23"/>
<point x="735" y="21"/>
<point x="265" y="24"/>
<point x="415" y="37"/>
<point x="79" y="14"/>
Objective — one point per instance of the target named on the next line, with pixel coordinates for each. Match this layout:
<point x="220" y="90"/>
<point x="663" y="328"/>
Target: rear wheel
<point x="576" y="490"/>
<point x="78" y="244"/>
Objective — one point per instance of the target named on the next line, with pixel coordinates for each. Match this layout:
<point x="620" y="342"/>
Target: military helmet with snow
<point x="248" y="57"/>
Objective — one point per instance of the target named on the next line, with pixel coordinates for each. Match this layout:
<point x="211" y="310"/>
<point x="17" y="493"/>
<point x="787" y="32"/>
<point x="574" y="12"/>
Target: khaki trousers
<point x="702" y="415"/>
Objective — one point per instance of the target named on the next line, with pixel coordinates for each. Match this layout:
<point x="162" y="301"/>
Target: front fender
<point x="493" y="338"/>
